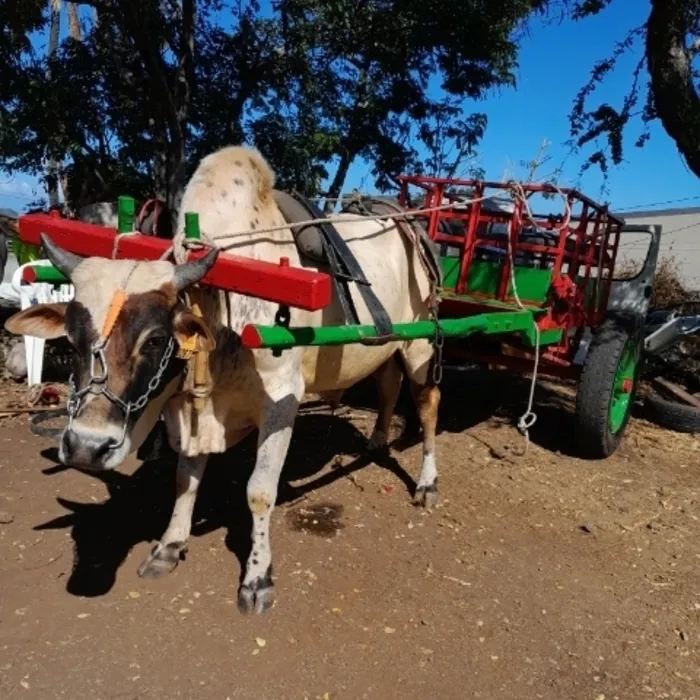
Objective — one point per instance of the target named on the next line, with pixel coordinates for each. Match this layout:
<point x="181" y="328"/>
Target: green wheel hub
<point x="623" y="384"/>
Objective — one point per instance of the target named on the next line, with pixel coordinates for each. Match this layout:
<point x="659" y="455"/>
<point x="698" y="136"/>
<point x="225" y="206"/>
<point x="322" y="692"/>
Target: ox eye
<point x="153" y="343"/>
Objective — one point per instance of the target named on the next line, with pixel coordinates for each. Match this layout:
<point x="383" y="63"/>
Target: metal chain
<point x="439" y="341"/>
<point x="98" y="352"/>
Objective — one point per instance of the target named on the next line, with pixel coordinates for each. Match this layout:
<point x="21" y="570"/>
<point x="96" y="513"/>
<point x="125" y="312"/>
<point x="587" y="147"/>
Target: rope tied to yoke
<point x="529" y="418"/>
<point x="182" y="245"/>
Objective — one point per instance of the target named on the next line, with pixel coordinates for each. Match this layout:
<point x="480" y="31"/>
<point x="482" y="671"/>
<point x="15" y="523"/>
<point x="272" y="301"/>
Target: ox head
<point x="121" y="381"/>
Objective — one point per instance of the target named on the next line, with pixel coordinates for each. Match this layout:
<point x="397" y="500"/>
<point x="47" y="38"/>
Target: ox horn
<point x="191" y="272"/>
<point x="62" y="260"/>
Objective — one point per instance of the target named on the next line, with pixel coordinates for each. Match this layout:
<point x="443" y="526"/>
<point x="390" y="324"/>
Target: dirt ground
<point x="537" y="576"/>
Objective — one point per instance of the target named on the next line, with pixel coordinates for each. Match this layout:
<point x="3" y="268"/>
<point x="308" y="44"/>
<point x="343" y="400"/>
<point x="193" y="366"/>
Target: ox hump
<point x="231" y="190"/>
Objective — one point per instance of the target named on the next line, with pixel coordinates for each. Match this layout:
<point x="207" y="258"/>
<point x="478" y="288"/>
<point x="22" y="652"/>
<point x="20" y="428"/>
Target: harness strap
<point x="202" y="378"/>
<point x="345" y="268"/>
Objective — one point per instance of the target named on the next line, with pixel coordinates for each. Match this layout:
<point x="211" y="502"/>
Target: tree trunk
<point x="74" y="22"/>
<point x="336" y="187"/>
<point x="53" y="165"/>
<point x="669" y="61"/>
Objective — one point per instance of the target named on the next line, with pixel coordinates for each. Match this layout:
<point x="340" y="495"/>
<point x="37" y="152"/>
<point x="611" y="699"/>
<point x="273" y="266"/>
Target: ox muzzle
<point x="90" y="448"/>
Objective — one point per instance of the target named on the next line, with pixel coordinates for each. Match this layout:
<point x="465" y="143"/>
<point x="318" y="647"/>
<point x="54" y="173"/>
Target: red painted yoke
<point x="280" y="283"/>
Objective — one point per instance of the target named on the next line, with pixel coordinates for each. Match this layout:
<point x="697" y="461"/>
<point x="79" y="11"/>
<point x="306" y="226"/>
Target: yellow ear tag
<point x="187" y="348"/>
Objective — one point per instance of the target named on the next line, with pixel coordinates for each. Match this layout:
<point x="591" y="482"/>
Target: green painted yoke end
<point x="192" y="225"/>
<point x="280" y="338"/>
<point x="126" y="212"/>
<point x="49" y="274"/>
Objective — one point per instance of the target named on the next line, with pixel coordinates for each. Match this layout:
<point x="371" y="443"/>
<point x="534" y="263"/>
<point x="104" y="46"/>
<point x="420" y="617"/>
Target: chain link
<point x="97" y="352"/>
<point x="439" y="341"/>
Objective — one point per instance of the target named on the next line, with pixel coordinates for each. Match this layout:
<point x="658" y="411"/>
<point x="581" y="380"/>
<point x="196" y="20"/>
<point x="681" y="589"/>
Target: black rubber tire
<point x="672" y="415"/>
<point x="594" y="438"/>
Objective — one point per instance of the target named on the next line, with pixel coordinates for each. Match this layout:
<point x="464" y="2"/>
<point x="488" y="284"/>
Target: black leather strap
<point x="344" y="269"/>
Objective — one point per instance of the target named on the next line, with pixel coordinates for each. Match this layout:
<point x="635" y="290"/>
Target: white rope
<point x="520" y="193"/>
<point x="180" y="242"/>
<point x="528" y="419"/>
<point x="117" y="239"/>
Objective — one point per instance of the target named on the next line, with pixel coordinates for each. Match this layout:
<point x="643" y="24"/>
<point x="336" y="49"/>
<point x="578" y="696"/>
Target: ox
<point x="232" y="189"/>
<point x="154" y="218"/>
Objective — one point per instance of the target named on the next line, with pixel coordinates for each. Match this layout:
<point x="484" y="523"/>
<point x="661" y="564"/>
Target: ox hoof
<point x="378" y="444"/>
<point x="426" y="496"/>
<point x="162" y="560"/>
<point x="256" y="597"/>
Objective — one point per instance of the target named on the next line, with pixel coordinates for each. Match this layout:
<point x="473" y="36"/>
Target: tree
<point x="133" y="102"/>
<point x="390" y="76"/>
<point x="665" y="81"/>
<point x="55" y="6"/>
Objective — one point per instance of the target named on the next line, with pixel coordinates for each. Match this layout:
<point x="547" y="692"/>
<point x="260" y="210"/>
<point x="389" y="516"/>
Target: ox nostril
<point x="70" y="443"/>
<point x="85" y="450"/>
<point x="102" y="448"/>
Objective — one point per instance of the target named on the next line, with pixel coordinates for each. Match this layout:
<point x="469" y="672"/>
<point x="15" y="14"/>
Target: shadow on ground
<point x="139" y="506"/>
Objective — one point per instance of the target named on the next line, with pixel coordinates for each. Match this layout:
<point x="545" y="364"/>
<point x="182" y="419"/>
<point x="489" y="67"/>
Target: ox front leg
<point x="256" y="594"/>
<point x="166" y="554"/>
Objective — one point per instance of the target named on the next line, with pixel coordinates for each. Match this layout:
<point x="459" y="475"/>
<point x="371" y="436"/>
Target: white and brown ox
<point x="230" y="190"/>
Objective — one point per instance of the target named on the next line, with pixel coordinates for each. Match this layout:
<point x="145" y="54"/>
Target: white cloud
<point x="20" y="188"/>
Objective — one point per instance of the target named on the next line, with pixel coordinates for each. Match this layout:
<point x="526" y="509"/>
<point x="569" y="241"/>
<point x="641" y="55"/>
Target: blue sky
<point x="555" y="61"/>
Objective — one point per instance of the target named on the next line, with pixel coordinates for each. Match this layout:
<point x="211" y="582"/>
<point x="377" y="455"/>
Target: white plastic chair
<point x="37" y="293"/>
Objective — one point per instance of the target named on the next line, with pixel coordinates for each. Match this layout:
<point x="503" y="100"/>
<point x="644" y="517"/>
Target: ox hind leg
<point x="256" y="593"/>
<point x="166" y="554"/>
<point x="388" y="378"/>
<point x="418" y="359"/>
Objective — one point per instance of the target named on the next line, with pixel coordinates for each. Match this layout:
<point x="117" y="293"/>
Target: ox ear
<point x="186" y="325"/>
<point x="46" y="321"/>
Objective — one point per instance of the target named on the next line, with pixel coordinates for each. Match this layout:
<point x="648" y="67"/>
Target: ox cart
<point x="513" y="289"/>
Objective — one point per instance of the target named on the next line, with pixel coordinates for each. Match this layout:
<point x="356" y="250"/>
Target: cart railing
<point x="563" y="261"/>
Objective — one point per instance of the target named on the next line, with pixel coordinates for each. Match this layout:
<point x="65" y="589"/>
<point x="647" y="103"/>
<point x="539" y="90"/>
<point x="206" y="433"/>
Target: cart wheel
<point x="672" y="414"/>
<point x="606" y="389"/>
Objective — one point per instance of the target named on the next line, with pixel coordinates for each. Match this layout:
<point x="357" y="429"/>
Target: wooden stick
<point x="669" y="388"/>
<point x="5" y="412"/>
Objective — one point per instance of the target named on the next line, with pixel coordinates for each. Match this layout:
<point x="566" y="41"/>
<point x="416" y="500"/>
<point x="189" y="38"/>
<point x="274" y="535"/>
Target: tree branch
<point x="185" y="73"/>
<point x="153" y="59"/>
<point x="676" y="102"/>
